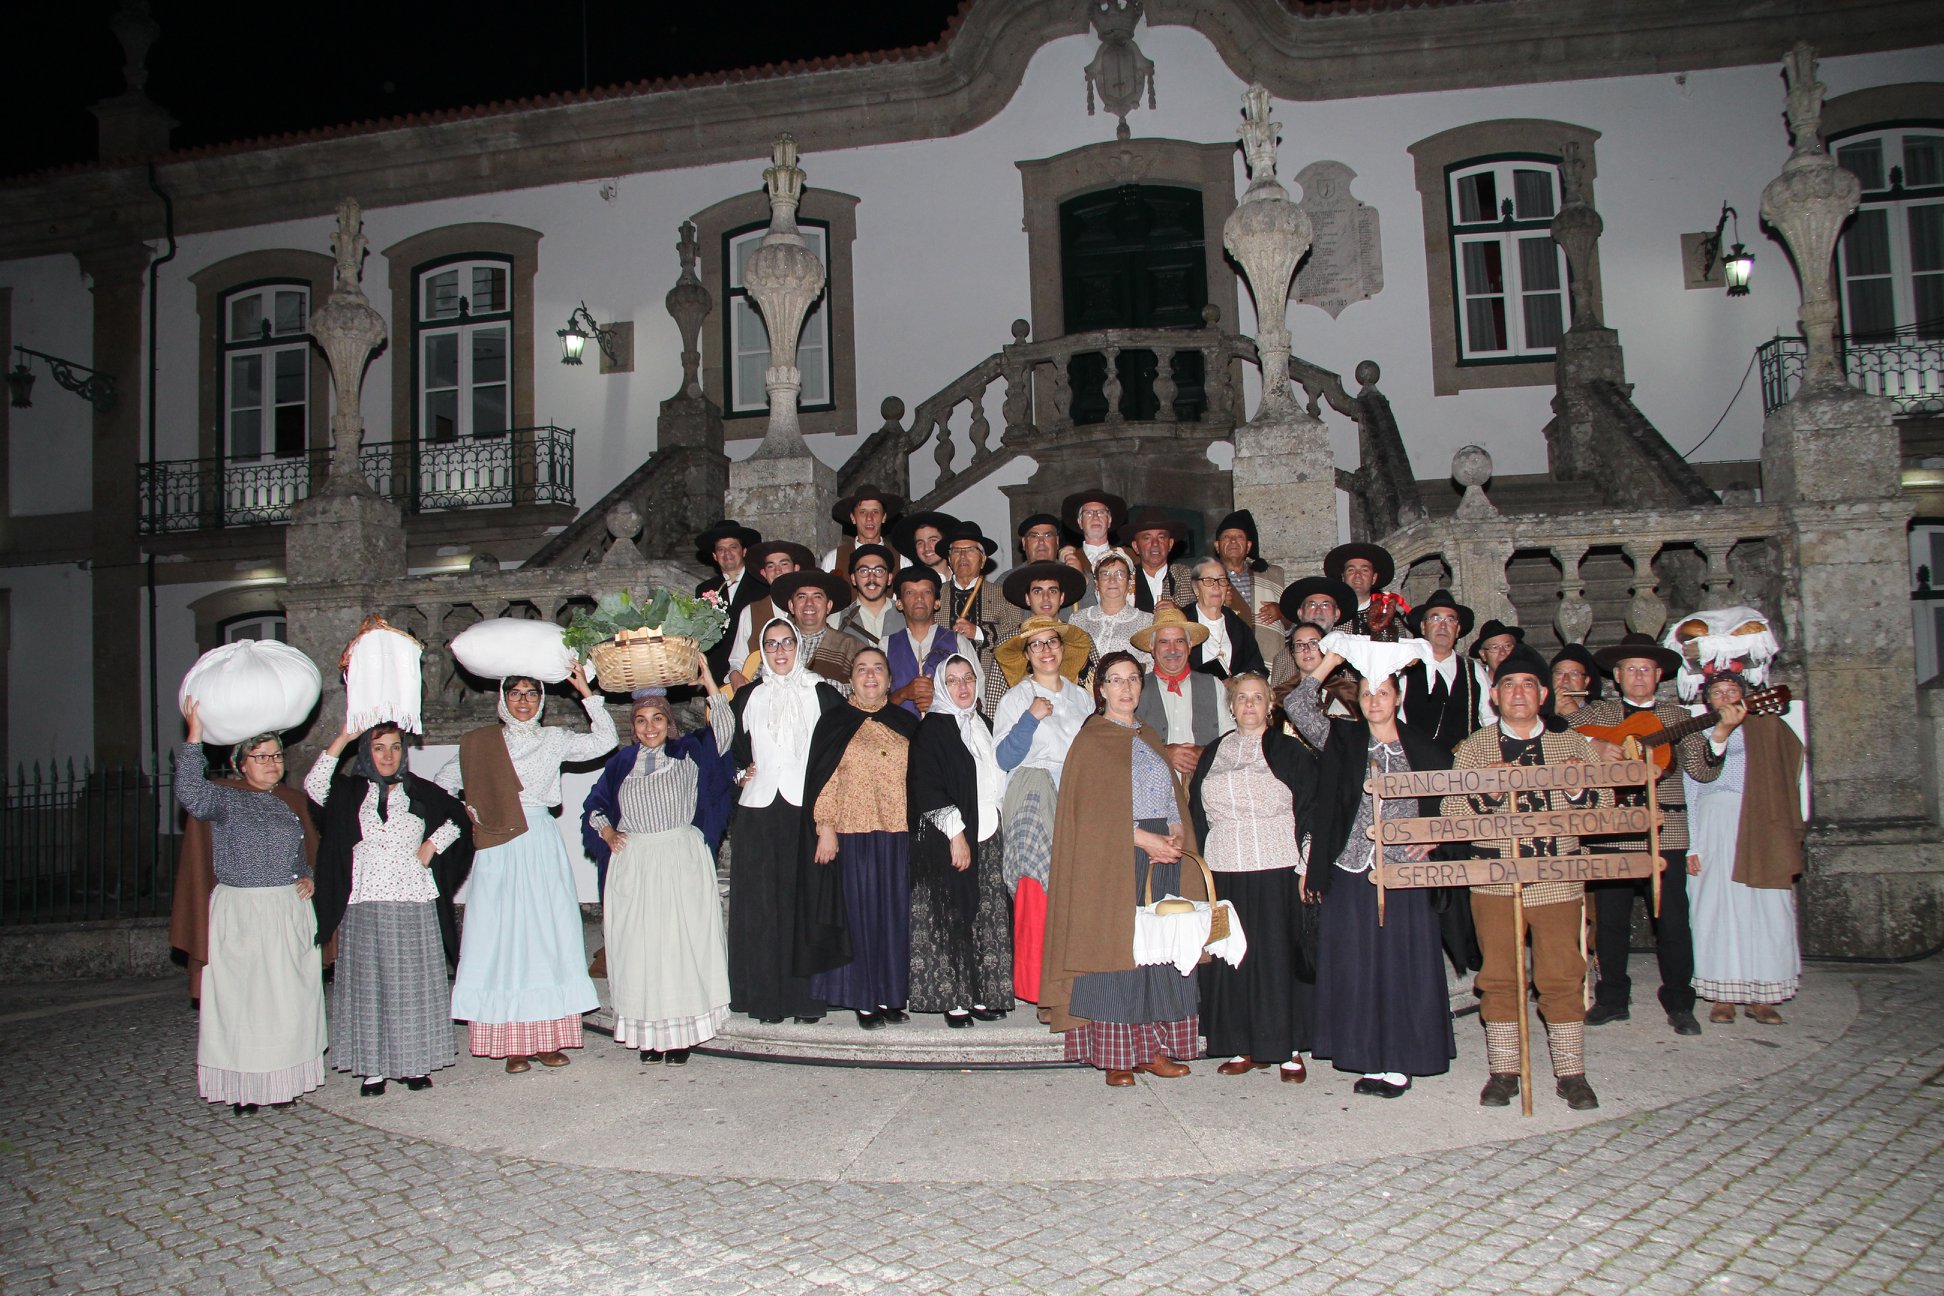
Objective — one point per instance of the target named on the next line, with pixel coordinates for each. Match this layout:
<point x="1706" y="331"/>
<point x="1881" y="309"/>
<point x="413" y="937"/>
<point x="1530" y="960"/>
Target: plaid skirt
<point x="391" y="1008"/>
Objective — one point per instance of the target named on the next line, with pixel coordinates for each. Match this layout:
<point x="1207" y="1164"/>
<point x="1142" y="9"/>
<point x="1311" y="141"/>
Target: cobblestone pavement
<point x="1823" y="1177"/>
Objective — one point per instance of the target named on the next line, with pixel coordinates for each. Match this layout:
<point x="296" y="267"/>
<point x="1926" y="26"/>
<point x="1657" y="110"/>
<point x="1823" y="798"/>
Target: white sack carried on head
<point x="1374" y="658"/>
<point x="1721" y="638"/>
<point x="502" y="646"/>
<point x="382" y="682"/>
<point x="250" y="687"/>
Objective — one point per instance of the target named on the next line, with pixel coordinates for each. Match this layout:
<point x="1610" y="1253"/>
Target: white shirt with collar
<point x="1217" y="648"/>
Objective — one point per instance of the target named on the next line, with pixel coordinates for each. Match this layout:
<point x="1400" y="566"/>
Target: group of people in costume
<point x="946" y="791"/>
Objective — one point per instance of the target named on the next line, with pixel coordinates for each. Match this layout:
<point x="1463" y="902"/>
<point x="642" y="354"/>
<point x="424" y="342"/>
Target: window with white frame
<point x="463" y="319"/>
<point x="746" y="338"/>
<point x="1891" y="256"/>
<point x="1509" y="276"/>
<point x="266" y="371"/>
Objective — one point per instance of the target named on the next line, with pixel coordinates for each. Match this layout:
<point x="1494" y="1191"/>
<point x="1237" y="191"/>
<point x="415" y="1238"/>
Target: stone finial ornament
<point x="1577" y="228"/>
<point x="1807" y="204"/>
<point x="1471" y="468"/>
<point x="689" y="303"/>
<point x="784" y="278"/>
<point x="348" y="330"/>
<point x="1268" y="235"/>
<point x="1119" y="70"/>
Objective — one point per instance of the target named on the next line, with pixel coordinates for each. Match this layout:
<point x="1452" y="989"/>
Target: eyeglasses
<point x="1096" y="511"/>
<point x="1306" y="646"/>
<point x="870" y="571"/>
<point x="774" y="645"/>
<point x="1639" y="668"/>
<point x="523" y="695"/>
<point x="265" y="759"/>
<point x="1038" y="645"/>
<point x="965" y="550"/>
<point x="1211" y="580"/>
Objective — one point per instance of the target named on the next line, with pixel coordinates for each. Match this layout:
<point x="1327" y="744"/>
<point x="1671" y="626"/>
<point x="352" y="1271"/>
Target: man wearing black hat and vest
<point x="873" y="615"/>
<point x="1255" y="585"/>
<point x="1637" y="665"/>
<point x="969" y="604"/>
<point x="810" y="596"/>
<point x="867" y="517"/>
<point x="1365" y="568"/>
<point x="771" y="560"/>
<point x="1553" y="910"/>
<point x="1153" y="536"/>
<point x="726" y="545"/>
<point x="923" y="645"/>
<point x="1441" y="701"/>
<point x="1319" y="601"/>
<point x="1094" y="516"/>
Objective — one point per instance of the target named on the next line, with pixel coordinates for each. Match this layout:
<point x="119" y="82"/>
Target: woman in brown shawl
<point x="1116" y="1016"/>
<point x="1744" y="854"/>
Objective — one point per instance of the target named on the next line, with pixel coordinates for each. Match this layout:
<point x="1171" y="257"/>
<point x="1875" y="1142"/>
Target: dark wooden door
<point x="1132" y="257"/>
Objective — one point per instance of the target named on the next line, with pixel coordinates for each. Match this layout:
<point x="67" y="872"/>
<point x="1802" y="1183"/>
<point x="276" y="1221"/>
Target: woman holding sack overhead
<point x="395" y="849"/>
<point x="651" y="820"/>
<point x="261" y="1035"/>
<point x="522" y="983"/>
<point x="775" y="717"/>
<point x="961" y="924"/>
<point x="1250" y="796"/>
<point x="1126" y="833"/>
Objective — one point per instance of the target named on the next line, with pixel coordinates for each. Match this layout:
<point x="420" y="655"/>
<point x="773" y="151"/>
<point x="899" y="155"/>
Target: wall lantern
<point x="1737" y="264"/>
<point x="98" y="389"/>
<point x="581" y="326"/>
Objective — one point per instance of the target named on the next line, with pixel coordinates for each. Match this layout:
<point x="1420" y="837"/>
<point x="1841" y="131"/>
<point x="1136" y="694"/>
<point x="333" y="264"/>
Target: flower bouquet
<point x="653" y="644"/>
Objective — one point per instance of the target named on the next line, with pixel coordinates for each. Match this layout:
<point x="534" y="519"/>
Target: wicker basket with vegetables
<point x="656" y="643"/>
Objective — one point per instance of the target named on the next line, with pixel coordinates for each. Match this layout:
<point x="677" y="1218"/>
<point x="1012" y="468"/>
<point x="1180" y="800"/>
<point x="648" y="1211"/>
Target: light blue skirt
<point x="521" y="956"/>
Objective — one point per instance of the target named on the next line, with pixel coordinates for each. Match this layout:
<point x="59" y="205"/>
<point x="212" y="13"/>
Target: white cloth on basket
<point x="1179" y="939"/>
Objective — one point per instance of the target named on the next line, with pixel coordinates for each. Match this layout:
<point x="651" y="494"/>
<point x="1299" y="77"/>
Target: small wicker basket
<point x="1218" y="917"/>
<point x="646" y="659"/>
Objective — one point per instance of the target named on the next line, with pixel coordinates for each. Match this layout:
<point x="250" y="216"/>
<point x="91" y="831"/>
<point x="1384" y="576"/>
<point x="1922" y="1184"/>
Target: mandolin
<point x="1657" y="742"/>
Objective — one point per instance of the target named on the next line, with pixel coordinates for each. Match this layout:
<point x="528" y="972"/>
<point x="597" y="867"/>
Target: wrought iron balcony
<point x="1906" y="368"/>
<point x="523" y="466"/>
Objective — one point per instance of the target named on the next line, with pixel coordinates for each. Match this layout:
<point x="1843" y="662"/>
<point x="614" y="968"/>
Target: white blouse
<point x="539" y="750"/>
<point x="384" y="863"/>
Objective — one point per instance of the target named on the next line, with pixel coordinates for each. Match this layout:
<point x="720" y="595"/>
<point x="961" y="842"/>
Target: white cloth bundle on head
<point x="501" y="646"/>
<point x="250" y="687"/>
<point x="1721" y="647"/>
<point x="383" y="682"/>
<point x="977" y="738"/>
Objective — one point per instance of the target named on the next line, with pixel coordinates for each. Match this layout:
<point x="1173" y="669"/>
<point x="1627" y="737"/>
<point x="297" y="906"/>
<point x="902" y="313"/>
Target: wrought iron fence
<point x="521" y="466"/>
<point x="86" y="845"/>
<point x="1907" y="369"/>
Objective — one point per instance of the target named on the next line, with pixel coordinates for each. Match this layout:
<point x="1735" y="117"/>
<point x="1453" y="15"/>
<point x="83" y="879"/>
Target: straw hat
<point x="1164" y="616"/>
<point x="1077" y="646"/>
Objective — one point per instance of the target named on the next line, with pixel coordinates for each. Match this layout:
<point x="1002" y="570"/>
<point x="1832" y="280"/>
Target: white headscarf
<point x="977" y="739"/>
<point x="507" y="718"/>
<point x="787" y="704"/>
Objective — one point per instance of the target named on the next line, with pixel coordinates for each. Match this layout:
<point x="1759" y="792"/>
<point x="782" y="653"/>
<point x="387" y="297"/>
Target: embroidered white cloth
<point x="1179" y="939"/>
<point x="382" y="681"/>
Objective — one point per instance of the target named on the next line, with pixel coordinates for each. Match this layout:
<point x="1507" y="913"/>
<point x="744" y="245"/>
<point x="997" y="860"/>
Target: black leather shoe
<point x="652" y="1056"/>
<point x="988" y="1014"/>
<point x="677" y="1057"/>
<point x="807" y="1021"/>
<point x="1499" y="1091"/>
<point x="243" y="1109"/>
<point x="1377" y="1088"/>
<point x="772" y="1021"/>
<point x="371" y="1089"/>
<point x="869" y="1020"/>
<point x="1600" y="1014"/>
<point x="894" y="1015"/>
<point x="958" y="1020"/>
<point x="1577" y="1093"/>
<point x="417" y="1083"/>
<point x="1684" y="1023"/>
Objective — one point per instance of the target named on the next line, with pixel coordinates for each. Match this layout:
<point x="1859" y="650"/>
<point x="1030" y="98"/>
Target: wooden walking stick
<point x="1519" y="961"/>
<point x="1377" y="834"/>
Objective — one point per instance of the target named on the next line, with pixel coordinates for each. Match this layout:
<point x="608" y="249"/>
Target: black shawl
<point x="341" y="831"/>
<point x="1339" y="786"/>
<point x="1289" y="760"/>
<point x="822" y="924"/>
<point x="1245" y="655"/>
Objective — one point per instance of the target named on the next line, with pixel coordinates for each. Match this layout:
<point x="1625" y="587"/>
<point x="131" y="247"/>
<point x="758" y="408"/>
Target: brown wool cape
<point x="1090" y="893"/>
<point x="196" y="880"/>
<point x="1768" y="837"/>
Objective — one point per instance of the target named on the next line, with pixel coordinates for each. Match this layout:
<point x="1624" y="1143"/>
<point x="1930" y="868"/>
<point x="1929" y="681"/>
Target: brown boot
<point x="1765" y="1014"/>
<point x="1724" y="1013"/>
<point x="517" y="1064"/>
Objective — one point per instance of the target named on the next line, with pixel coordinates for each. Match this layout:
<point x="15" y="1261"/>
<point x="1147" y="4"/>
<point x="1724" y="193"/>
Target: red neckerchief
<point x="1173" y="682"/>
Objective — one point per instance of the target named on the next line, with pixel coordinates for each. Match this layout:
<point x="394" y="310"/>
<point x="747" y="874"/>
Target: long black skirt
<point x="762" y="913"/>
<point x="1381" y="1001"/>
<point x="1259" y="1009"/>
<point x="961" y="932"/>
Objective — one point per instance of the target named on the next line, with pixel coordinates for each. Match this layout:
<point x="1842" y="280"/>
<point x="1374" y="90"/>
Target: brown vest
<point x="492" y="787"/>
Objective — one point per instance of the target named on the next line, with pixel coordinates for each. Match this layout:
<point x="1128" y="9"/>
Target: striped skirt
<point x="668" y="965"/>
<point x="261" y="1035"/>
<point x="391" y="1009"/>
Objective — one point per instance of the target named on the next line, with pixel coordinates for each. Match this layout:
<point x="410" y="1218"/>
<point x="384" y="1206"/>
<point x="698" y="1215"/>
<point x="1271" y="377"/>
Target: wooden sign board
<point x="1604" y="821"/>
<point x="1526" y="870"/>
<point x="1497" y="780"/>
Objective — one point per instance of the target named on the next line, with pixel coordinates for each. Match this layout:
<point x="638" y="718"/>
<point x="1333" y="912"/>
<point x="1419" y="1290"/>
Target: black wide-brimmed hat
<point x="1523" y="660"/>
<point x="1376" y="555"/>
<point x="784" y="587"/>
<point x="907" y="526"/>
<point x="1439" y="599"/>
<point x="1020" y="579"/>
<point x="1297" y="592"/>
<point x="1493" y="629"/>
<point x="1038" y="519"/>
<point x="905" y="575"/>
<point x="861" y="552"/>
<point x="798" y="554"/>
<point x="1149" y="518"/>
<point x="1244" y="521"/>
<point x="840" y="511"/>
<point x="1577" y="653"/>
<point x="965" y="530"/>
<point x="1635" y="644"/>
<point x="1070" y="509"/>
<point x="727" y="529"/>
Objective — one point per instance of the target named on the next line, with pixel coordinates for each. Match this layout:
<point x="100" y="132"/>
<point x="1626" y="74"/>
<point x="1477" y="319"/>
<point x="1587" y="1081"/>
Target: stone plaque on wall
<point x="1346" y="262"/>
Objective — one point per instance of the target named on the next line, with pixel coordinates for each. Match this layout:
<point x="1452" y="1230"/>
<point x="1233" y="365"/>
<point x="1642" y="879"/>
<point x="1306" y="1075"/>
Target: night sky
<point x="230" y="71"/>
